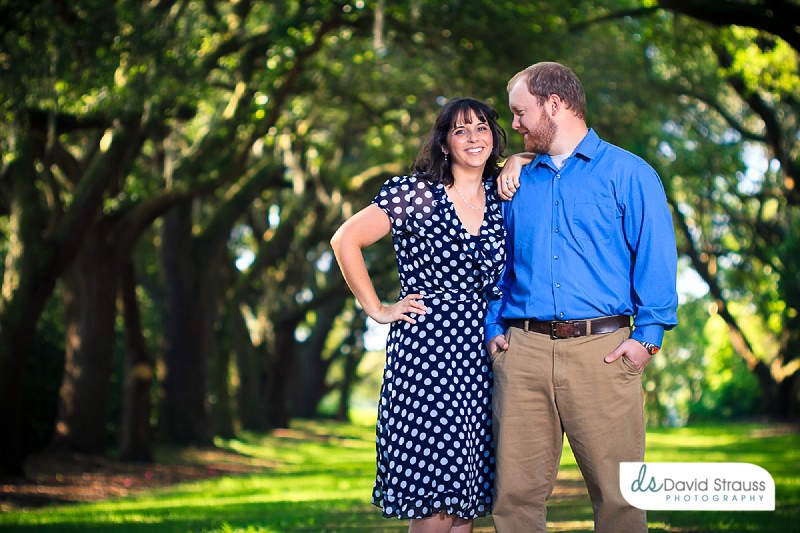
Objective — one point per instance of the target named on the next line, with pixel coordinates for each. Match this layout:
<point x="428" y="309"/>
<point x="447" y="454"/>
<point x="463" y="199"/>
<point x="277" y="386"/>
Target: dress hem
<point x="448" y="509"/>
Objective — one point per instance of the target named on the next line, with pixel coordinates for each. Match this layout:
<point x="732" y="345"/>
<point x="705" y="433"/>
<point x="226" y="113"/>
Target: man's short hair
<point x="548" y="77"/>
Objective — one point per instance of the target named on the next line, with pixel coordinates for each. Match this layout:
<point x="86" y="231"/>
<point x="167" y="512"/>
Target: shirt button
<point x="555" y="257"/>
<point x="556" y="230"/>
<point x="556" y="202"/>
<point x="558" y="285"/>
<point x="561" y="314"/>
<point x="558" y="176"/>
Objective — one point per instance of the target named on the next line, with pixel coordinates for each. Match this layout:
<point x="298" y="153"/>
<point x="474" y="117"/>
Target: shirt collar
<point x="589" y="145"/>
<point x="587" y="148"/>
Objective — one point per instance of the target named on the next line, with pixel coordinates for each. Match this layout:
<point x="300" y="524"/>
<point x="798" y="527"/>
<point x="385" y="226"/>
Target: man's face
<point x="531" y="119"/>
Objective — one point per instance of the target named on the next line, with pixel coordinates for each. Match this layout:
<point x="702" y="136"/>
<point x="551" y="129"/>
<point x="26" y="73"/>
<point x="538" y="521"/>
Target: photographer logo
<point x="697" y="486"/>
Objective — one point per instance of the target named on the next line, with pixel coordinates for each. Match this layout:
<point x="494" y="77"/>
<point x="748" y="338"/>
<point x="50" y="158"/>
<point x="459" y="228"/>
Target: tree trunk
<point x="786" y="398"/>
<point x="280" y="370"/>
<point x="24" y="294"/>
<point x="355" y="352"/>
<point x="656" y="413"/>
<point x="789" y="391"/>
<point x="786" y="404"/>
<point x="90" y="285"/>
<point x="310" y="367"/>
<point x="348" y="377"/>
<point x="136" y="435"/>
<point x="251" y="365"/>
<point x="778" y="398"/>
<point x="184" y="418"/>
<point x="222" y="414"/>
<point x="38" y="254"/>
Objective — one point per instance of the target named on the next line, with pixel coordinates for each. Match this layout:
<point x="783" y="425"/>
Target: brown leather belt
<point x="564" y="329"/>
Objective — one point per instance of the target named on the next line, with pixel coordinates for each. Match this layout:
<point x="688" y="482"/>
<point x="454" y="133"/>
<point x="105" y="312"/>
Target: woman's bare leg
<point x="460" y="525"/>
<point x="440" y="523"/>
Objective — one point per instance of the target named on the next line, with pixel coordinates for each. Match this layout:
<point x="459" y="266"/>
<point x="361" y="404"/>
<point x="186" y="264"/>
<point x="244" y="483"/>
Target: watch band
<point x="651" y="348"/>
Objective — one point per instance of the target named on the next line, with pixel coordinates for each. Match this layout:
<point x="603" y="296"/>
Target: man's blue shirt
<point x="591" y="239"/>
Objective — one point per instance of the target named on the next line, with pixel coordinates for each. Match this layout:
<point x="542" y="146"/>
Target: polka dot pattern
<point x="433" y="437"/>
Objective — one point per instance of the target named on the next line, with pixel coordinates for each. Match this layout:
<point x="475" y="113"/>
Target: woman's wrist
<point x="372" y="308"/>
<point x="524" y="156"/>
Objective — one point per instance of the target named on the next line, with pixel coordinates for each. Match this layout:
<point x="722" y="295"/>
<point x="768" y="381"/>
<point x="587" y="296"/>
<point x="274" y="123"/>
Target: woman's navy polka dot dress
<point x="434" y="435"/>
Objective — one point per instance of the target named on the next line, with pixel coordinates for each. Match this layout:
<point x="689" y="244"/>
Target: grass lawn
<point x="317" y="476"/>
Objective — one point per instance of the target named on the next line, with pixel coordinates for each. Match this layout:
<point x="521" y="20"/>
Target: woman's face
<point x="469" y="142"/>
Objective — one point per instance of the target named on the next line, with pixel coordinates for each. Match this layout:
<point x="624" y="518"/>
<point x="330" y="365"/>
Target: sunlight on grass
<point x="317" y="476"/>
<point x="364" y="416"/>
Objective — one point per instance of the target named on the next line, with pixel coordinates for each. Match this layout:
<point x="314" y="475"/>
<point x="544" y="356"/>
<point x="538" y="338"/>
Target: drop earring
<point x="445" y="157"/>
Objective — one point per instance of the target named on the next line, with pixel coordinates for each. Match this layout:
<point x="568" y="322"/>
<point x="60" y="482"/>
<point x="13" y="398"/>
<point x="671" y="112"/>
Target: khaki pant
<point x="544" y="388"/>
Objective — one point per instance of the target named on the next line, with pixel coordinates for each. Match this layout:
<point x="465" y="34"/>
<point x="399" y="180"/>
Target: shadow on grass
<point x="324" y="477"/>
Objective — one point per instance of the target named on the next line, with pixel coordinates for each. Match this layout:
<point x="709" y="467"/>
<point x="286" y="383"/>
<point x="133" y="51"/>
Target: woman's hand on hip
<point x="410" y="305"/>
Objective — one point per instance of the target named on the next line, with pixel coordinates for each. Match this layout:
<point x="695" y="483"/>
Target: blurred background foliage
<point x="172" y="172"/>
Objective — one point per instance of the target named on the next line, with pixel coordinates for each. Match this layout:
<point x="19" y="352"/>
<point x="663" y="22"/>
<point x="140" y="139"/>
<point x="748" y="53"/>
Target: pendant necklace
<point x="477" y="208"/>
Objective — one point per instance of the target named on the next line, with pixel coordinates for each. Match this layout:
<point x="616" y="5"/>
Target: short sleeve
<point x="395" y="199"/>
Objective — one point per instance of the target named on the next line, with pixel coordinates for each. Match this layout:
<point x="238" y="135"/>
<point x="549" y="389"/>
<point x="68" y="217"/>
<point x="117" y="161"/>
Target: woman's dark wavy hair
<point x="430" y="162"/>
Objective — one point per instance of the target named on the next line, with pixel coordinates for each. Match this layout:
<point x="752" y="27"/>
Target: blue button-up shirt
<point x="591" y="239"/>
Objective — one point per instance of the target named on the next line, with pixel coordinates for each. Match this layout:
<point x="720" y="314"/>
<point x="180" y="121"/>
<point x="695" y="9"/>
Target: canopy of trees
<point x="172" y="172"/>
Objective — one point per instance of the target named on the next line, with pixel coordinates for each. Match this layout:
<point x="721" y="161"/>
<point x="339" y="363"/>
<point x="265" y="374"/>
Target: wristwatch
<point x="651" y="348"/>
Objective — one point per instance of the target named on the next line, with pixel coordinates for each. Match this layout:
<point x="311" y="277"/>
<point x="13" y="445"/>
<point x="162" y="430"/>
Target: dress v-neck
<point x="458" y="218"/>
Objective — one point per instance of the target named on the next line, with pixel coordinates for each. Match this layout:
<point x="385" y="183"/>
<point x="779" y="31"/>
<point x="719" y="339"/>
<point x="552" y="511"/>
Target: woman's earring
<point x="445" y="156"/>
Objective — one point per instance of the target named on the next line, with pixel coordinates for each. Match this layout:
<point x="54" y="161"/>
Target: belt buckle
<point x="554" y="329"/>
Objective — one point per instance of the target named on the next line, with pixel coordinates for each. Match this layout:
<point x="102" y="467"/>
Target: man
<point x="590" y="246"/>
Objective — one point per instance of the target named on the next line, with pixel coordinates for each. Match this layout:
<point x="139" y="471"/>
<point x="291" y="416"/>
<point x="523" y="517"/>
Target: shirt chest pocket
<point x="595" y="220"/>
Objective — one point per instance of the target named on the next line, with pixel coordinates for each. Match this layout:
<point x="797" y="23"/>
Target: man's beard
<point x="540" y="140"/>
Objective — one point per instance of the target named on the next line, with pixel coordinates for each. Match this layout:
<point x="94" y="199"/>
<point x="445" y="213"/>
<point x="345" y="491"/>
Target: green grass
<point x="322" y="480"/>
<point x="771" y="447"/>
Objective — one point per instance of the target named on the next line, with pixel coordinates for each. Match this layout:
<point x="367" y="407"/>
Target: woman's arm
<point x="508" y="180"/>
<point x="361" y="230"/>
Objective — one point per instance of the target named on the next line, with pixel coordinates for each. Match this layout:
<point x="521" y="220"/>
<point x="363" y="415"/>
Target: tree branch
<point x="775" y="137"/>
<point x="614" y="15"/>
<point x="726" y="116"/>
<point x="139" y="218"/>
<point x="739" y="340"/>
<point x="774" y="16"/>
<point x="126" y="142"/>
<point x="65" y="122"/>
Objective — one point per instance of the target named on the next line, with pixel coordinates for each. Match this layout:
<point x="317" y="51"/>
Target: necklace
<point x="477" y="208"/>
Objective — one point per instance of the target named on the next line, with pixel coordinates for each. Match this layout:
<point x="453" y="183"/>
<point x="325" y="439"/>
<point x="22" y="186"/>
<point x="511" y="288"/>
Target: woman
<point x="434" y="449"/>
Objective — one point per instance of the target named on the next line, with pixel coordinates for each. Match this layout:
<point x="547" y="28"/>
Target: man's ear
<point x="554" y="104"/>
